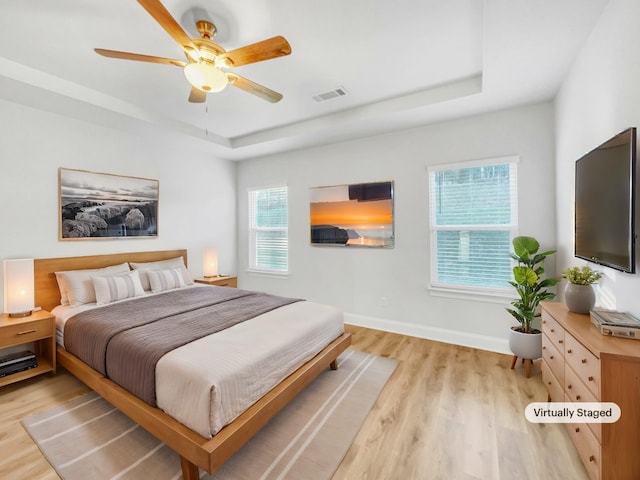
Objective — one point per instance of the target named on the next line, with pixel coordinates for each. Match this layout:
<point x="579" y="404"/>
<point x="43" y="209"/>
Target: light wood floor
<point x="447" y="412"/>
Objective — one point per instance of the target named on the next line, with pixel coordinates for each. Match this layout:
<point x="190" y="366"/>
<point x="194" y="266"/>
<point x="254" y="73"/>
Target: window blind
<point x="473" y="217"/>
<point x="268" y="229"/>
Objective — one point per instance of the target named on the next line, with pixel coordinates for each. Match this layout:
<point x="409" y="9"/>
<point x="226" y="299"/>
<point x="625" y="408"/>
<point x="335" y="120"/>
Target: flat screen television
<point x="605" y="203"/>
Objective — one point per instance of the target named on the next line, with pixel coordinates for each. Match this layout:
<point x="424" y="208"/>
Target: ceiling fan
<point x="207" y="60"/>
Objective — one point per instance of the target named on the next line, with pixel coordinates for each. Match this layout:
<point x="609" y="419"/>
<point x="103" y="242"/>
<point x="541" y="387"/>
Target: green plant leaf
<point x="524" y="275"/>
<point x="524" y="247"/>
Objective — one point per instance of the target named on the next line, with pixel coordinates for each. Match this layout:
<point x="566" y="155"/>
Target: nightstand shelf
<point x="229" y="281"/>
<point x="40" y="329"/>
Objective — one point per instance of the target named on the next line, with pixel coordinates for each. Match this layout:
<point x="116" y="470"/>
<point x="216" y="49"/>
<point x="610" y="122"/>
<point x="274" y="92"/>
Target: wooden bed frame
<point x="194" y="450"/>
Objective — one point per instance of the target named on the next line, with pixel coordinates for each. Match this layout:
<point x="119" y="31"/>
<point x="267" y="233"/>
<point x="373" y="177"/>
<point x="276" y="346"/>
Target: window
<point x="268" y="230"/>
<point x="473" y="217"/>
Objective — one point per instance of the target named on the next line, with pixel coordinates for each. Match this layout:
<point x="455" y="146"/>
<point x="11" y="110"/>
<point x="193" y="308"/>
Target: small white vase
<point x="579" y="298"/>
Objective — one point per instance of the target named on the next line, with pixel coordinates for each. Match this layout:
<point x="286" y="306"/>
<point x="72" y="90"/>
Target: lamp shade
<point x="18" y="287"/>
<point x="205" y="76"/>
<point x="210" y="257"/>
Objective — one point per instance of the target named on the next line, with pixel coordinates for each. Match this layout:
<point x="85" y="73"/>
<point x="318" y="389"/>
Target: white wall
<point x="387" y="289"/>
<point x="599" y="98"/>
<point x="197" y="192"/>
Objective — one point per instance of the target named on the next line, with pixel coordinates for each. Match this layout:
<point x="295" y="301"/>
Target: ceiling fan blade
<point x="171" y="26"/>
<point x="271" y="48"/>
<point x="139" y="57"/>
<point x="254" y="88"/>
<point x="197" y="96"/>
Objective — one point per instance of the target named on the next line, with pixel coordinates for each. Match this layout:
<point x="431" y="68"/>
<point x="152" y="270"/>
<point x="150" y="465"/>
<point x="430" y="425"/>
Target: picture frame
<point x="352" y="215"/>
<point x="95" y="205"/>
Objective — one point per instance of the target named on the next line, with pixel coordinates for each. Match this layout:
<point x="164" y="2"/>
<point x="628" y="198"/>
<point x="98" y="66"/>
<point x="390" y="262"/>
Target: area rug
<point x="87" y="438"/>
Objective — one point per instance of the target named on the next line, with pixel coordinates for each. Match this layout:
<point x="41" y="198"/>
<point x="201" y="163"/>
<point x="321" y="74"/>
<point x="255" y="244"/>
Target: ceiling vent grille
<point x="335" y="93"/>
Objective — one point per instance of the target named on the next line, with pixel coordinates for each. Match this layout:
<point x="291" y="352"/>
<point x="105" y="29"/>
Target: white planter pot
<point x="579" y="298"/>
<point x="525" y="345"/>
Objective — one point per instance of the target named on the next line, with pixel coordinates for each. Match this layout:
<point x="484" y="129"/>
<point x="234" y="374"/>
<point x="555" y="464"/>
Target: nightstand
<point x="38" y="328"/>
<point x="219" y="281"/>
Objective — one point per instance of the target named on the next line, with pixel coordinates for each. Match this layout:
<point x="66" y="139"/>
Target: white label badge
<point x="567" y="412"/>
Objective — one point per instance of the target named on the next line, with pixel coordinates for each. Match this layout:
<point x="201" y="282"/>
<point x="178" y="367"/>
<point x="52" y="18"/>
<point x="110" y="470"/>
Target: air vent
<point x="335" y="93"/>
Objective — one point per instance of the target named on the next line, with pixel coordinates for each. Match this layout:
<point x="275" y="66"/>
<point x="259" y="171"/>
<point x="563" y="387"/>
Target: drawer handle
<point x="560" y="341"/>
<point x="584" y="360"/>
<point x="592" y="458"/>
<point x="569" y="351"/>
<point x="552" y="330"/>
<point x="590" y="379"/>
<point x="544" y="348"/>
<point x="577" y="397"/>
<point x="577" y="429"/>
<point x="550" y="357"/>
<point x="569" y="387"/>
<point x="28" y="331"/>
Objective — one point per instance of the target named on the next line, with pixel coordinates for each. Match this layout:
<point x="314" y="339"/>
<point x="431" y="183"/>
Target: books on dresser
<point x="616" y="324"/>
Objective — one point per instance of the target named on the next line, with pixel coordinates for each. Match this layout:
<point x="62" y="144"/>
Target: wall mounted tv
<point x="605" y="203"/>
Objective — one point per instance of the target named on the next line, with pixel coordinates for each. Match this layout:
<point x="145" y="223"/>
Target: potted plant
<point x="578" y="294"/>
<point x="525" y="341"/>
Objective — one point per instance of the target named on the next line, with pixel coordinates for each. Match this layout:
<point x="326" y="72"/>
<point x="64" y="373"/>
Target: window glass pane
<point x="271" y="208"/>
<point x="478" y="195"/>
<point x="477" y="257"/>
<point x="272" y="250"/>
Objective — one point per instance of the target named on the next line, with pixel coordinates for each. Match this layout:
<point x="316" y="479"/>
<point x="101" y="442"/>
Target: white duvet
<point x="209" y="382"/>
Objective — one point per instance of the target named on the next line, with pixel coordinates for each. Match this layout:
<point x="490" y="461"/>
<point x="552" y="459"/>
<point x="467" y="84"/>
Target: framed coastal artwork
<point x="353" y="215"/>
<point x="106" y="206"/>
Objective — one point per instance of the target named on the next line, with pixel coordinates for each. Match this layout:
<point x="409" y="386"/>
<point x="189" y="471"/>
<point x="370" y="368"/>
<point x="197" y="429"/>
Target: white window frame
<point x="253" y="229"/>
<point x="460" y="290"/>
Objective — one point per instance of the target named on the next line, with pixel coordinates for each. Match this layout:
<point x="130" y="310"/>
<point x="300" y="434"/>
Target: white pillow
<point x="117" y="287"/>
<point x="162" y="280"/>
<point x="76" y="287"/>
<point x="177" y="262"/>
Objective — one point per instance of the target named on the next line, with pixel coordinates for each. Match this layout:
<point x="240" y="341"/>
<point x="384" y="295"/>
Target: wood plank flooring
<point x="448" y="412"/>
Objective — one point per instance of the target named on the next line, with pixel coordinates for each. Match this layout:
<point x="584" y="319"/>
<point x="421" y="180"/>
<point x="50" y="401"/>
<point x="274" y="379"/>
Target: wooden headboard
<point x="47" y="294"/>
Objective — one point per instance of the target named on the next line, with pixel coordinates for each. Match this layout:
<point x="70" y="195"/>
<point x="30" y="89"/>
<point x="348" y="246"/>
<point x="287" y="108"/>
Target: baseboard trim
<point x="473" y="340"/>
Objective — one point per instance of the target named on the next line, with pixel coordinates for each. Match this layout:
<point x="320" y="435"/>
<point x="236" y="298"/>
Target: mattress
<point x="207" y="383"/>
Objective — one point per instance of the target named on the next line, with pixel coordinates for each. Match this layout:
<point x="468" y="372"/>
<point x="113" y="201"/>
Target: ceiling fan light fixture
<point x="206" y="77"/>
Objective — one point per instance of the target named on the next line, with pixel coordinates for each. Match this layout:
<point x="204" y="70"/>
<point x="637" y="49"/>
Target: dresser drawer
<point x="551" y="383"/>
<point x="584" y="363"/>
<point x="588" y="448"/>
<point x="577" y="391"/>
<point x="25" y="332"/>
<point x="553" y="330"/>
<point x="554" y="358"/>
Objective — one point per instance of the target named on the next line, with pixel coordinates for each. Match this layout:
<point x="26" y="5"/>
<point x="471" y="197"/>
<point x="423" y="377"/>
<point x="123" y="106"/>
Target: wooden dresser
<point x="582" y="365"/>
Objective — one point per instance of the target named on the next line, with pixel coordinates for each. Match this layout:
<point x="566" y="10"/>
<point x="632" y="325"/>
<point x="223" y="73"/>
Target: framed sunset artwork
<point x="353" y="215"/>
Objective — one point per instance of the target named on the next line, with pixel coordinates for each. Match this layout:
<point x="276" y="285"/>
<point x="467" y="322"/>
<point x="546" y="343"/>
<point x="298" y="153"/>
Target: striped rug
<point x="87" y="438"/>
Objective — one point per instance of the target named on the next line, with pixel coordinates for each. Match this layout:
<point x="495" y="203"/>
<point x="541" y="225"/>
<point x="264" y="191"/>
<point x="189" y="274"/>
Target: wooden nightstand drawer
<point x="554" y="388"/>
<point x="553" y="330"/>
<point x="584" y="363"/>
<point x="554" y="359"/>
<point x="588" y="448"/>
<point x="26" y="332"/>
<point x="231" y="282"/>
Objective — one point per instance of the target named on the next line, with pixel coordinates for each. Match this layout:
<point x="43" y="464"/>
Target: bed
<point x="195" y="448"/>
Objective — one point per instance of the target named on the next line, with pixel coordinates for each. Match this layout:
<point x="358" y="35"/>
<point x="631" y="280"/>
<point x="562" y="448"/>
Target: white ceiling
<point x="403" y="63"/>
